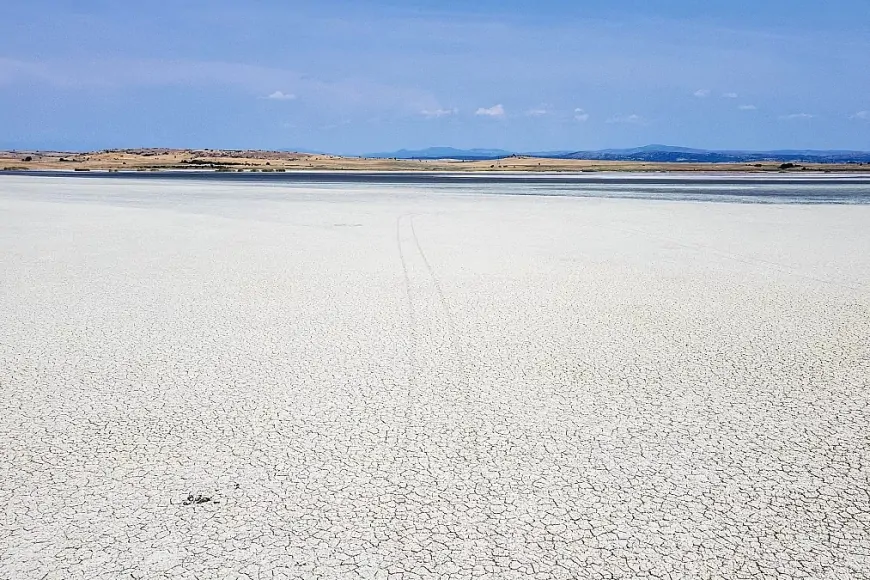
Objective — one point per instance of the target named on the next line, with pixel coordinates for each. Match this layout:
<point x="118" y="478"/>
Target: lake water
<point x="781" y="188"/>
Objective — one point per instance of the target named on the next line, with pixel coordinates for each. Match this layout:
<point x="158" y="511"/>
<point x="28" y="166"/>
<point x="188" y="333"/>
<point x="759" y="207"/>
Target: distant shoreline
<point x="234" y="161"/>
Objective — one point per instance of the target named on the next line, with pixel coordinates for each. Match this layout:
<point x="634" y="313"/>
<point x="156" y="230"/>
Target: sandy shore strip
<point x="239" y="380"/>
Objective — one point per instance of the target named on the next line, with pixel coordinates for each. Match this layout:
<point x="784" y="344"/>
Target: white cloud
<point x="630" y="119"/>
<point x="354" y="94"/>
<point x="538" y="112"/>
<point x="494" y="111"/>
<point x="796" y="116"/>
<point x="729" y="96"/>
<point x="581" y="115"/>
<point x="863" y="115"/>
<point x="435" y="113"/>
<point x="701" y="93"/>
<point x="281" y="96"/>
<point x="747" y="107"/>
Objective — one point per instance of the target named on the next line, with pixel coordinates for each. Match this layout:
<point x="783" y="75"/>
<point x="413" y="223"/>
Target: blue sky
<point x="366" y="76"/>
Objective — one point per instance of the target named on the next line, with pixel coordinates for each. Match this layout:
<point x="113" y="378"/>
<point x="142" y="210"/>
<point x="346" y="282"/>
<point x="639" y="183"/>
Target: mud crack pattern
<point x="213" y="381"/>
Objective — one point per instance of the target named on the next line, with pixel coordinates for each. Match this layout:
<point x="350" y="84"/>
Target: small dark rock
<point x="196" y="499"/>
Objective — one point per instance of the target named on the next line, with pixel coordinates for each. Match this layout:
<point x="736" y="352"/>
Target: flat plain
<point x="269" y="380"/>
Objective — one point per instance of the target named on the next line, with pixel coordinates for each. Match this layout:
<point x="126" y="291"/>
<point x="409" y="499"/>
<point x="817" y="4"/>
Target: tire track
<point x="435" y="281"/>
<point x="413" y="330"/>
<point x="436" y="336"/>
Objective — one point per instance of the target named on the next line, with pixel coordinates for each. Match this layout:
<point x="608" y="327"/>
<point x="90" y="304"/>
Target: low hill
<point x="648" y="154"/>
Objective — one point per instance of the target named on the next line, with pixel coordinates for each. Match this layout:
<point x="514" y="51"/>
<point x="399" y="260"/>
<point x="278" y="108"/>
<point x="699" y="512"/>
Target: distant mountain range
<point x="444" y="153"/>
<point x="650" y="153"/>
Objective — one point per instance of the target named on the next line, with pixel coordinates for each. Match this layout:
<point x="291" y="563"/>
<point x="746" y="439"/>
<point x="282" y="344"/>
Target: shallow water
<point x="811" y="189"/>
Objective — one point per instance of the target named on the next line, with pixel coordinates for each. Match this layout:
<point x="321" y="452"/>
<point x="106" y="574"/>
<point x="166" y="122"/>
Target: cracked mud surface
<point x="229" y="382"/>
